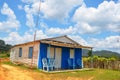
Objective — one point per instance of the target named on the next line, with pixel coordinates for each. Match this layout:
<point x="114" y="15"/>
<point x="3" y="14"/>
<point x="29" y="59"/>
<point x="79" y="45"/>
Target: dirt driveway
<point x="8" y="72"/>
<point x="11" y="73"/>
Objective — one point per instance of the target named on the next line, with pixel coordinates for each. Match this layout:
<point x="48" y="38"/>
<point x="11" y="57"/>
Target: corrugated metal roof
<point x="63" y="39"/>
<point x="58" y="41"/>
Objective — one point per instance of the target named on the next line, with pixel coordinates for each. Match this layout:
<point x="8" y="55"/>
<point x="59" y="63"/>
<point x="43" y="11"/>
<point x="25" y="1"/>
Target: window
<point x="71" y="53"/>
<point x="30" y="52"/>
<point x="20" y="52"/>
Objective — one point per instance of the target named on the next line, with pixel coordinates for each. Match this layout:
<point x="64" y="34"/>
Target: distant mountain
<point x="103" y="53"/>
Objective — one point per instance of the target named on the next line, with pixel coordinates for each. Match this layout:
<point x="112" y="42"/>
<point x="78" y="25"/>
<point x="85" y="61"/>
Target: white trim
<point x="38" y="55"/>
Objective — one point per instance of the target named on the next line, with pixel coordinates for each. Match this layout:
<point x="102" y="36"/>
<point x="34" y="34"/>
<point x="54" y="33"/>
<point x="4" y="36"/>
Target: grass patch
<point x="4" y="55"/>
<point x="97" y="74"/>
<point x="9" y="63"/>
<point x="107" y="75"/>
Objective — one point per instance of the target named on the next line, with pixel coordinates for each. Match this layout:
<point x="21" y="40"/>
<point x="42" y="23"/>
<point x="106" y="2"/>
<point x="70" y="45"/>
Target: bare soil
<point x="8" y="72"/>
<point x="11" y="73"/>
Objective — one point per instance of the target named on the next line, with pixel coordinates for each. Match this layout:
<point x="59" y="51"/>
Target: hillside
<point x="103" y="53"/>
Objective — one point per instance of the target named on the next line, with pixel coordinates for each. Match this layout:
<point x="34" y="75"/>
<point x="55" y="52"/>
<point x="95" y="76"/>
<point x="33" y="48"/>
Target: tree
<point x="4" y="47"/>
<point x="2" y="42"/>
<point x="90" y="55"/>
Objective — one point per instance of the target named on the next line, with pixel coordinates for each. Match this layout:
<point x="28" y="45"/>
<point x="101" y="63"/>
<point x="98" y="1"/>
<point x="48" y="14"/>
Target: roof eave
<point x="65" y="44"/>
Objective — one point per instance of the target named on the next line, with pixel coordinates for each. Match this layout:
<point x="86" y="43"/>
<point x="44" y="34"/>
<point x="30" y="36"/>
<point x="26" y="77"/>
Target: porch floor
<point x="68" y="70"/>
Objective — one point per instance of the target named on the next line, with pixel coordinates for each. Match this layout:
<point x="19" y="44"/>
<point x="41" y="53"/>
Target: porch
<point x="53" y="58"/>
<point x="49" y="65"/>
<point x="60" y="53"/>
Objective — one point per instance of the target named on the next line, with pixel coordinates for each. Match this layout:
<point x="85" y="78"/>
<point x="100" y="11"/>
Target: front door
<point x="58" y="54"/>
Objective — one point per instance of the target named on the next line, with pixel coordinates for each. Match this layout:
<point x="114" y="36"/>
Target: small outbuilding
<point x="50" y="54"/>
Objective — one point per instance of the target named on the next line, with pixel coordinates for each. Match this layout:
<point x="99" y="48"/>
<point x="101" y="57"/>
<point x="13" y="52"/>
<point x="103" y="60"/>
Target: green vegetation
<point x="97" y="74"/>
<point x="97" y="58"/>
<point x="4" y="49"/>
<point x="89" y="53"/>
<point x="107" y="75"/>
<point x="102" y="53"/>
<point x="107" y="54"/>
<point x="90" y="57"/>
<point x="9" y="63"/>
<point x="5" y="55"/>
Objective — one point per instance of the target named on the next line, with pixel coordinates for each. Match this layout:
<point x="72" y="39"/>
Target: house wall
<point x="64" y="57"/>
<point x="42" y="54"/>
<point x="14" y="55"/>
<point x="78" y="55"/>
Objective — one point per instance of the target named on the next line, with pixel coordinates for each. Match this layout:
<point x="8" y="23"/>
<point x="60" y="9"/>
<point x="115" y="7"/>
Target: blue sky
<point x="90" y="22"/>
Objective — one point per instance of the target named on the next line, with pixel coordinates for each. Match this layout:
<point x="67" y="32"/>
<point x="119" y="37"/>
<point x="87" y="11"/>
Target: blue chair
<point x="79" y="63"/>
<point x="51" y="63"/>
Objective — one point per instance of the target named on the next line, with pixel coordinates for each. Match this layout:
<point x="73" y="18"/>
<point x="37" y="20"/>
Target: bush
<point x="112" y="59"/>
<point x="97" y="58"/>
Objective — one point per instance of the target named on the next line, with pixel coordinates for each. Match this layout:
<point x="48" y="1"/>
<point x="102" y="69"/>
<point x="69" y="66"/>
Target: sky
<point x="93" y="23"/>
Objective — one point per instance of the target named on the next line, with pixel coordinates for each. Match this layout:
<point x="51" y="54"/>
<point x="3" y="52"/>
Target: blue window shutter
<point x="30" y="52"/>
<point x="20" y="52"/>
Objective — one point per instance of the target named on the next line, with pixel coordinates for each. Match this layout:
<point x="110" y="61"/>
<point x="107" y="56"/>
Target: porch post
<point x="91" y="58"/>
<point x="82" y="59"/>
<point x="74" y="59"/>
<point x="49" y="52"/>
<point x="48" y="57"/>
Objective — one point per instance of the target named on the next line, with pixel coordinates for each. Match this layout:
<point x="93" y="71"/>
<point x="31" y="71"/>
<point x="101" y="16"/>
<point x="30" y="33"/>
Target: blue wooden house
<point x="58" y="52"/>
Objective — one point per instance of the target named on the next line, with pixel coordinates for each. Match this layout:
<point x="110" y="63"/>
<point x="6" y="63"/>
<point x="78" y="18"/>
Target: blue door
<point x="30" y="52"/>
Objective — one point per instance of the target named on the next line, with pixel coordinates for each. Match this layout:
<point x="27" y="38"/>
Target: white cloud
<point x="29" y="1"/>
<point x="79" y="39"/>
<point x="20" y="7"/>
<point x="109" y="43"/>
<point x="58" y="9"/>
<point x="29" y="16"/>
<point x="105" y="17"/>
<point x="7" y="11"/>
<point x="60" y="31"/>
<point x="17" y="38"/>
<point x="92" y="20"/>
<point x="30" y="21"/>
<point x="43" y="25"/>
<point x="83" y="28"/>
<point x="11" y="22"/>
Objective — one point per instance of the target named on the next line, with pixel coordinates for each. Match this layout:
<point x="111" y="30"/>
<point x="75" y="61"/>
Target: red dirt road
<point x="11" y="73"/>
<point x="8" y="72"/>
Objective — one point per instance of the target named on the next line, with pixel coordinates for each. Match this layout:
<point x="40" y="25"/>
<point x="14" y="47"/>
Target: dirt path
<point x="11" y="73"/>
<point x="8" y="72"/>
